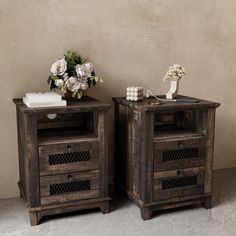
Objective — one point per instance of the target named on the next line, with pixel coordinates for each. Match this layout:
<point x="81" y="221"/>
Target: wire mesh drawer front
<point x="61" y="158"/>
<point x="75" y="186"/>
<point x="178" y="183"/>
<point x="179" y="154"/>
<point x="69" y="187"/>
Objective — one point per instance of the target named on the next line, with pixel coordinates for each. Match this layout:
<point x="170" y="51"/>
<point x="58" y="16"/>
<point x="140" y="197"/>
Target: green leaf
<point x="79" y="94"/>
<point x="83" y="60"/>
<point x="54" y="77"/>
<point x="96" y="78"/>
<point x="74" y="93"/>
<point x="63" y="88"/>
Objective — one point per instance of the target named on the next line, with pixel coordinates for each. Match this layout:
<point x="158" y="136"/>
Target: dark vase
<point x="68" y="96"/>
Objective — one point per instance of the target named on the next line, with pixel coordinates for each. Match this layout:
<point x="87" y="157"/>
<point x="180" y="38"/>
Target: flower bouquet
<point x="72" y="75"/>
<point x="175" y="73"/>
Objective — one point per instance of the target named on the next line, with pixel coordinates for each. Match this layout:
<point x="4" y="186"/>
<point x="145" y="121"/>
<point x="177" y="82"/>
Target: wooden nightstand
<point x="63" y="157"/>
<point x="164" y="153"/>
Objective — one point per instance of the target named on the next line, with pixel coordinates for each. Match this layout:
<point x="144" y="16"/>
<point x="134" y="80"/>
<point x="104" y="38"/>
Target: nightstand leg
<point x="34" y="218"/>
<point x="146" y="213"/>
<point x="207" y="203"/>
<point x="105" y="208"/>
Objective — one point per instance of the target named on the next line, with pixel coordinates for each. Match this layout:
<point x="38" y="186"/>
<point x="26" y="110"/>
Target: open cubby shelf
<point x="172" y="131"/>
<point x="66" y="126"/>
<point x="179" y="123"/>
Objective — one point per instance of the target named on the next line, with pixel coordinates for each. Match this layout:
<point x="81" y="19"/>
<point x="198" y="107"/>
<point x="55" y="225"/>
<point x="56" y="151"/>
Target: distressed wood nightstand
<point x="164" y="153"/>
<point x="63" y="159"/>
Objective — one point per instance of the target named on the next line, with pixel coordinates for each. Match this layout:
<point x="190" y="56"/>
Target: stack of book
<point x="47" y="99"/>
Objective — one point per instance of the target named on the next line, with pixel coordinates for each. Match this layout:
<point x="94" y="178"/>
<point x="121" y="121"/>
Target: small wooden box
<point x="63" y="157"/>
<point x="164" y="153"/>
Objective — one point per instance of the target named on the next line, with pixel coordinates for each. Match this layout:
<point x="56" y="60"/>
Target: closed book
<point x="43" y="97"/>
<point x="30" y="104"/>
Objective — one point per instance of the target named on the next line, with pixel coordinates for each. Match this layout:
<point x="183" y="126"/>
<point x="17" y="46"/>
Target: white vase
<point x="174" y="86"/>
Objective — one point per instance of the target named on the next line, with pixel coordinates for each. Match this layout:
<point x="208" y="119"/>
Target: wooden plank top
<point x="86" y="104"/>
<point x="147" y="104"/>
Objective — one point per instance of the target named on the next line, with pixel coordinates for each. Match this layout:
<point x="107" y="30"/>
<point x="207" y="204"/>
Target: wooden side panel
<point x="120" y="146"/>
<point x="23" y="163"/>
<point x="103" y="152"/>
<point x="31" y="153"/>
<point x="210" y="144"/>
<point x="145" y="134"/>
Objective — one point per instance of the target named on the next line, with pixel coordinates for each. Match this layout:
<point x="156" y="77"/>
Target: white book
<point x="30" y="104"/>
<point x="43" y="97"/>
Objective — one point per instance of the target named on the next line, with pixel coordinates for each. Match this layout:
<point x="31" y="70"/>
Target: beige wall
<point x="131" y="42"/>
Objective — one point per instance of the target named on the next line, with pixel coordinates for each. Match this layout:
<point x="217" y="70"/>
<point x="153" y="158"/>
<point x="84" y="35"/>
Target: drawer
<point x="184" y="153"/>
<point x="68" y="157"/>
<point x="178" y="183"/>
<point x="69" y="187"/>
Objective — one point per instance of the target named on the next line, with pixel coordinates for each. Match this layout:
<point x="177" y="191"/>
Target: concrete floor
<point x="125" y="218"/>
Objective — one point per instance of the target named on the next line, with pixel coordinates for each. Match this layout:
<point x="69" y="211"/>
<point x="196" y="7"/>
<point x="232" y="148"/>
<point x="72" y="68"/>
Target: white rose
<point x="84" y="70"/>
<point x="71" y="83"/>
<point x="58" y="83"/>
<point x="74" y="84"/>
<point x="59" y="67"/>
<point x="83" y="84"/>
<point x="89" y="67"/>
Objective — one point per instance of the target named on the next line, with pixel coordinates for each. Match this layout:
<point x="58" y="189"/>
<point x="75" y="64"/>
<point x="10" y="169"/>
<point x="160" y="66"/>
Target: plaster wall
<point x="130" y="43"/>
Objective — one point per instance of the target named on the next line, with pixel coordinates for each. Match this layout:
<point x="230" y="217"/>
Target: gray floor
<point x="125" y="218"/>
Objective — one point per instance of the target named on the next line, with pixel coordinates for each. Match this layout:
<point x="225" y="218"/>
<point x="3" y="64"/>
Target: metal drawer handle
<point x="69" y="148"/>
<point x="51" y="116"/>
<point x="179" y="172"/>
<point x="180" y="145"/>
<point x="69" y="177"/>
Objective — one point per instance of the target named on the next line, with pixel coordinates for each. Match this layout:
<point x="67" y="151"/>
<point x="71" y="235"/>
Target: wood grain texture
<point x="164" y="152"/>
<point x="63" y="161"/>
<point x="68" y="151"/>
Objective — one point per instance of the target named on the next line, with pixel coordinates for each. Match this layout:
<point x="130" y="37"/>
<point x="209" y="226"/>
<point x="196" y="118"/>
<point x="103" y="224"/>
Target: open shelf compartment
<point x="179" y="123"/>
<point x="66" y="126"/>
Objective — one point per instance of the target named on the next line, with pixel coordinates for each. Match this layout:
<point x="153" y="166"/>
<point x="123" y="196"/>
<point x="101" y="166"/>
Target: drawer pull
<point x="51" y="116"/>
<point x="180" y="173"/>
<point x="69" y="148"/>
<point x="180" y="145"/>
<point x="69" y="177"/>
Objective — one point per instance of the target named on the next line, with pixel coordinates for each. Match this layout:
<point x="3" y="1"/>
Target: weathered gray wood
<point x="105" y="207"/>
<point x="45" y="151"/>
<point x="103" y="152"/>
<point x="146" y="213"/>
<point x="210" y="143"/>
<point x="164" y="152"/>
<point x="186" y="161"/>
<point x="46" y="181"/>
<point x="70" y="197"/>
<point x="31" y="154"/>
<point x="146" y="104"/>
<point x="159" y="193"/>
<point x="34" y="218"/>
<point x="63" y="161"/>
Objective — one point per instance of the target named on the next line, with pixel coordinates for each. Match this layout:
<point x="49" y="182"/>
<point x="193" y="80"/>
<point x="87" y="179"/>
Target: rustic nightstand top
<point x="87" y="104"/>
<point x="146" y="104"/>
